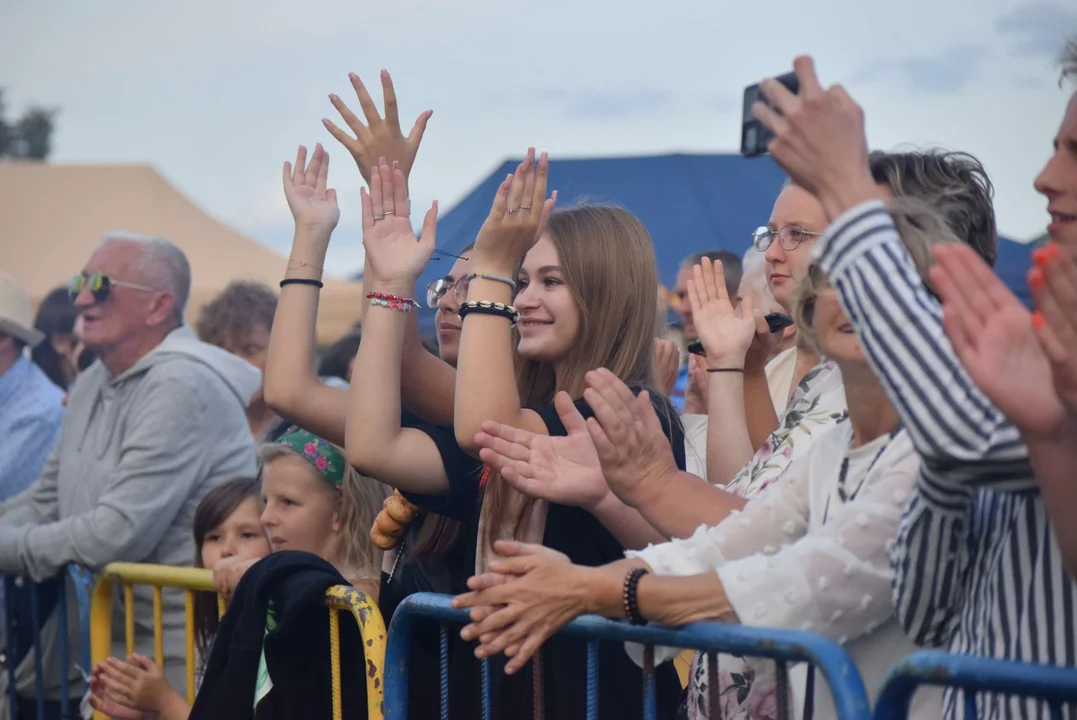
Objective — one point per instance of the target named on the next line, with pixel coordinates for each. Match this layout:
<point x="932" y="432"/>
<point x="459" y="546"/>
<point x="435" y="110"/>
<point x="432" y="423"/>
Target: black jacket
<point x="297" y="649"/>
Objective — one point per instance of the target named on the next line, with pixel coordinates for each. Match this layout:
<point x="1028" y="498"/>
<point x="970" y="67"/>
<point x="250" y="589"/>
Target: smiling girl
<point x="582" y="283"/>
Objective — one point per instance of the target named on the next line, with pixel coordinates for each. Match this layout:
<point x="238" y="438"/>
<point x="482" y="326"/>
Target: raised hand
<point x="667" y="361"/>
<point x="394" y="254"/>
<point x="1053" y="283"/>
<point x="379" y="137"/>
<point x="313" y="205"/>
<point x="634" y="451"/>
<point x="563" y="470"/>
<point x="818" y="139"/>
<point x="993" y="336"/>
<point x="517" y="218"/>
<point x="726" y="333"/>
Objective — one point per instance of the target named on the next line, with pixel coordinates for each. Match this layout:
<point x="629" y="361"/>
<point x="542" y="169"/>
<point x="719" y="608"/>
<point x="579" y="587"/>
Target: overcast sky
<point x="217" y="94"/>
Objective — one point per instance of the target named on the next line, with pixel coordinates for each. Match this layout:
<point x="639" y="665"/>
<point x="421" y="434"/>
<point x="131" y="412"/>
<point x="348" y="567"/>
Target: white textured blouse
<point x="813" y="553"/>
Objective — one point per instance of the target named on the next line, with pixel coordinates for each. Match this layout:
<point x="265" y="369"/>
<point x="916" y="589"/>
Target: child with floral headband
<point x="315" y="501"/>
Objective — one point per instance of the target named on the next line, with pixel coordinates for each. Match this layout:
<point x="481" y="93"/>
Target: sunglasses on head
<point x="100" y="286"/>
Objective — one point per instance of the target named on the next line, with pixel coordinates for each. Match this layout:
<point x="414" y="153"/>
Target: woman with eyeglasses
<point x="810" y="553"/>
<point x="748" y="445"/>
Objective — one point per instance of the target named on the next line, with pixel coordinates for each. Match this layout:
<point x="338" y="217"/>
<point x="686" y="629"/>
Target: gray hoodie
<point x="137" y="453"/>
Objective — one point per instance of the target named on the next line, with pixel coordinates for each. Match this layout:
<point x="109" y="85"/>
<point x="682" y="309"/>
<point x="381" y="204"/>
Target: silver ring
<point x="524" y="207"/>
<point x="378" y="217"/>
<point x="510" y="211"/>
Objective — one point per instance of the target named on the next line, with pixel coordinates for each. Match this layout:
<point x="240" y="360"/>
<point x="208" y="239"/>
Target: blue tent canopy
<point x="688" y="203"/>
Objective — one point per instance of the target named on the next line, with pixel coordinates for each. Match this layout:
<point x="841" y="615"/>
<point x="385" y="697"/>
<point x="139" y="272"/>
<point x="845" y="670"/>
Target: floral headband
<point x="320" y="454"/>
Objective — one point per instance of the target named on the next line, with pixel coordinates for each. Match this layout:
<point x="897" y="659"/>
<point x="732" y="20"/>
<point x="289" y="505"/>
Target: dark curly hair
<point x="237" y="311"/>
<point x="953" y="183"/>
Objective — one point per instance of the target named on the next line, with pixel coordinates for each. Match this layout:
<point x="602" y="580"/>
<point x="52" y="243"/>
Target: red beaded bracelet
<point x="393" y="302"/>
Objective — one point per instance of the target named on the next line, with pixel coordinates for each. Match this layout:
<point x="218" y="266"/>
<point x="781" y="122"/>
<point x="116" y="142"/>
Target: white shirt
<point x="798" y="557"/>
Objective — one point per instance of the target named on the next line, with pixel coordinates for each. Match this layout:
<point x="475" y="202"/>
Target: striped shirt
<point x="977" y="566"/>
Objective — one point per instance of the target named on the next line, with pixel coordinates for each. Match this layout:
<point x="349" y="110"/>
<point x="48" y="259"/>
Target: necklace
<point x="843" y="494"/>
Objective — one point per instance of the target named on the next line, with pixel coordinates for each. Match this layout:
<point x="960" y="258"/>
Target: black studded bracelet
<point x="631" y="602"/>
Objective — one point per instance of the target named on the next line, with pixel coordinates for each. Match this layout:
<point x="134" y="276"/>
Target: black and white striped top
<point x="977" y="566"/>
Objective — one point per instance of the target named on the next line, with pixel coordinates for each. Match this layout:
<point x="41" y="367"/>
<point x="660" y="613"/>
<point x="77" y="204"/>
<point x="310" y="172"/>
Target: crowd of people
<point x="870" y="437"/>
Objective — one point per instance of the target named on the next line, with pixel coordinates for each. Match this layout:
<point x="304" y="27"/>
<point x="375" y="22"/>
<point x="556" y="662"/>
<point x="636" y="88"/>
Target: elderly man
<point x="152" y="426"/>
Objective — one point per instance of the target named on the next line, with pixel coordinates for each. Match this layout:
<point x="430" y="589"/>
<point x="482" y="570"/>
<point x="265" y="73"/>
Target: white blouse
<point x="801" y="557"/>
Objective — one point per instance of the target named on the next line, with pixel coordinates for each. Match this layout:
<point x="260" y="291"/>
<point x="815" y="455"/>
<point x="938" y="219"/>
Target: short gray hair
<point x="163" y="265"/>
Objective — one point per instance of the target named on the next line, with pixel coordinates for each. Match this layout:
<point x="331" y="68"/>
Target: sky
<point x="216" y="94"/>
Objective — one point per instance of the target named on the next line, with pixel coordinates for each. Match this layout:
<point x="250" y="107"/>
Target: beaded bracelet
<point x="494" y="278"/>
<point x="631" y="602"/>
<point x="483" y="307"/>
<point x="393" y="302"/>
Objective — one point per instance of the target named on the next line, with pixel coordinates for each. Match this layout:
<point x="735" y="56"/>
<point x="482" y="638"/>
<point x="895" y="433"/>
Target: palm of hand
<point x="1008" y="364"/>
<point x="568" y="467"/>
<point x="313" y="207"/>
<point x="724" y="335"/>
<point x="393" y="251"/>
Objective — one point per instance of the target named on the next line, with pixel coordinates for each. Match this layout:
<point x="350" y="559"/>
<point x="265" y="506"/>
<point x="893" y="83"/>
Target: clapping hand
<point x="380" y="137"/>
<point x="818" y="139"/>
<point x="395" y="256"/>
<point x="562" y="470"/>
<point x="726" y="333"/>
<point x="1053" y="283"/>
<point x="517" y="218"/>
<point x="632" y="447"/>
<point x="992" y="334"/>
<point x="313" y="205"/>
<point x="528" y="595"/>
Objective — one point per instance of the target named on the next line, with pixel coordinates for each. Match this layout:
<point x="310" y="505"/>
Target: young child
<point x="227" y="525"/>
<point x="315" y="501"/>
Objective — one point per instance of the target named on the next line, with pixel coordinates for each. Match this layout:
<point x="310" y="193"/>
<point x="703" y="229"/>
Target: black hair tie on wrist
<point x="629" y="597"/>
<point x="301" y="281"/>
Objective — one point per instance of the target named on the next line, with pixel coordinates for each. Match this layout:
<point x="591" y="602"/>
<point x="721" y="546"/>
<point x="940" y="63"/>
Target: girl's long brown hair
<point x="607" y="261"/>
<point x="216" y="506"/>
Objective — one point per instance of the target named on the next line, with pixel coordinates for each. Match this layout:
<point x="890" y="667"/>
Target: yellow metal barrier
<point x="340" y="597"/>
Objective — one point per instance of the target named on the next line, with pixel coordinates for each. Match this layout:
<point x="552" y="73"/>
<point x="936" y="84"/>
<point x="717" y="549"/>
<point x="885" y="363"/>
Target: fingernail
<point x="1040" y="257"/>
<point x="384" y="73"/>
<point x="333" y="97"/>
<point x="325" y="121"/>
<point x="353" y="76"/>
<point x="1052" y="251"/>
<point x="1037" y="320"/>
<point x="1035" y="278"/>
<point x="396" y="164"/>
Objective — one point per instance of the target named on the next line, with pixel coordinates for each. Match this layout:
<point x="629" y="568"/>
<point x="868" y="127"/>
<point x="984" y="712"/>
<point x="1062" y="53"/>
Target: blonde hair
<point x="358" y="501"/>
<point x="921" y="228"/>
<point x="607" y="261"/>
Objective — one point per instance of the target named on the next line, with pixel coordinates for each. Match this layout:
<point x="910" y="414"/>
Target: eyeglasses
<point x="100" y="286"/>
<point x="439" y="288"/>
<point x="789" y="237"/>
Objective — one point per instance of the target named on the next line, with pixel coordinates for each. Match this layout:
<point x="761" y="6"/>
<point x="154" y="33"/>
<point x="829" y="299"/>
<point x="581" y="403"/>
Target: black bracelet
<point x="631" y="603"/>
<point x="484" y="307"/>
<point x="740" y="370"/>
<point x="300" y="281"/>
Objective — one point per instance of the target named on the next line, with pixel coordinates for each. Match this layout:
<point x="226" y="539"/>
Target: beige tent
<point x="53" y="216"/>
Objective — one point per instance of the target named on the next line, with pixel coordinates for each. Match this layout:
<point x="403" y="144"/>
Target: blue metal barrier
<point x="850" y="698"/>
<point x="83" y="581"/>
<point x="1054" y="685"/>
